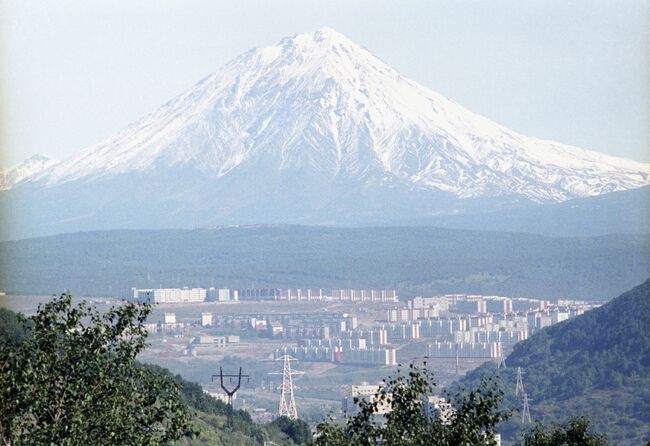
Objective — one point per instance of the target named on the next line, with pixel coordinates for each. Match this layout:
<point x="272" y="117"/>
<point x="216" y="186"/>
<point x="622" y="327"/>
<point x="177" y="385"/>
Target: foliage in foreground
<point x="208" y="415"/>
<point x="74" y="381"/>
<point x="472" y="422"/>
<point x="297" y="430"/>
<point x="574" y="433"/>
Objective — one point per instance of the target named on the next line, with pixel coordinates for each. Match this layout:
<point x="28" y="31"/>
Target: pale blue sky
<point x="578" y="72"/>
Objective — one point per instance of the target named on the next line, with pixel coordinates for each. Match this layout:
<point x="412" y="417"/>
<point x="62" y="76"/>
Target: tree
<point x="575" y="433"/>
<point x="13" y="327"/>
<point x="471" y="422"/>
<point x="74" y="381"/>
<point x="297" y="430"/>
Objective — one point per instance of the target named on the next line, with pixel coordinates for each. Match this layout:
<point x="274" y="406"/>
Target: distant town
<point x="358" y="328"/>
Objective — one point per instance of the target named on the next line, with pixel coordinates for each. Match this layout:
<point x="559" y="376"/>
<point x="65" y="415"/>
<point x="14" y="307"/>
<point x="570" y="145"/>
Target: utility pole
<point x="287" y="406"/>
<point x="519" y="390"/>
<point x="525" y="411"/>
<point x="230" y="392"/>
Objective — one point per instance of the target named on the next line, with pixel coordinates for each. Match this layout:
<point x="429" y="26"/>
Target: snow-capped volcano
<point x="312" y="122"/>
<point x="319" y="101"/>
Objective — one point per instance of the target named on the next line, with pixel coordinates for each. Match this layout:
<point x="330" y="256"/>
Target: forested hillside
<point x="415" y="260"/>
<point x="597" y="364"/>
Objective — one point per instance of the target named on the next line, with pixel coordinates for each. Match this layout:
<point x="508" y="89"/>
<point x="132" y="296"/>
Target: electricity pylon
<point x="519" y="390"/>
<point x="525" y="411"/>
<point x="501" y="359"/>
<point x="287" y="407"/>
<point x="230" y="392"/>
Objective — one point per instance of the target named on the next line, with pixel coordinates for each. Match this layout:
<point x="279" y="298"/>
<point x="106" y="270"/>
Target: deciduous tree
<point x="74" y="381"/>
<point x="471" y="422"/>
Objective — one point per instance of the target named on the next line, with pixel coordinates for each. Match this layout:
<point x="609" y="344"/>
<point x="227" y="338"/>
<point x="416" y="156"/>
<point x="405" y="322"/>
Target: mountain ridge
<point x="315" y="125"/>
<point x="25" y="170"/>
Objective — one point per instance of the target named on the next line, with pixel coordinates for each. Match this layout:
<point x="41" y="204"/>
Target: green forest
<point x="414" y="260"/>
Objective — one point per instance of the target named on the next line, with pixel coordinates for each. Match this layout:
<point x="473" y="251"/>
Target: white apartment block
<point x="365" y="392"/>
<point x="206" y="319"/>
<point x="222" y="295"/>
<point x="465" y="350"/>
<point x="170" y="318"/>
<point x="170" y="295"/>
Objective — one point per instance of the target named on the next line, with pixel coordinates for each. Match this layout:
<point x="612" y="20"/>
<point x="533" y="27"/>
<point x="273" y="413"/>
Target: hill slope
<point x="314" y="129"/>
<point x="412" y="259"/>
<point x="597" y="364"/>
<point x="209" y="415"/>
<point x="626" y="212"/>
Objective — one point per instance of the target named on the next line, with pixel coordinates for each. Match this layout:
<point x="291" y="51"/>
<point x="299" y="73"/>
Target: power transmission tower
<point x="519" y="390"/>
<point x="502" y="359"/>
<point x="287" y="407"/>
<point x="525" y="411"/>
<point x="230" y="392"/>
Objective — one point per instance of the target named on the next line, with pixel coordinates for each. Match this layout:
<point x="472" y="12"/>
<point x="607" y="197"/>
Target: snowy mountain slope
<point x="24" y="171"/>
<point x="312" y="130"/>
<point x="321" y="102"/>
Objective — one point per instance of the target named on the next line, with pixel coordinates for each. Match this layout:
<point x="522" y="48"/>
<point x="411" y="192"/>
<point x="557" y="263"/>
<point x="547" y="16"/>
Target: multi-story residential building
<point x="170" y="295"/>
<point x="465" y="350"/>
<point x="403" y="331"/>
<point x="206" y="319"/>
<point x="497" y="304"/>
<point x="439" y="408"/>
<point x="365" y="392"/>
<point x="371" y="356"/>
<point x="346" y="351"/>
<point x="507" y="338"/>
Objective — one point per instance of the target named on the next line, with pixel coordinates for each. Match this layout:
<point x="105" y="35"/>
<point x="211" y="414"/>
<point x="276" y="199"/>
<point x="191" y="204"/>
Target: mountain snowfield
<point x="313" y="122"/>
<point x="24" y="171"/>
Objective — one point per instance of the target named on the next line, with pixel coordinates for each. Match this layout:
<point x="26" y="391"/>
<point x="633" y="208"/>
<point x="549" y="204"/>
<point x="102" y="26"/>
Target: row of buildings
<point x="351" y="352"/>
<point x="488" y="336"/>
<point x="186" y="294"/>
<point x="332" y="294"/>
<point x="430" y="307"/>
<point x="492" y="350"/>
